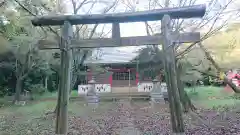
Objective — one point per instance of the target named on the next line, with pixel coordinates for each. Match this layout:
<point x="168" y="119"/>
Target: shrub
<point x="3" y="91"/>
<point x="236" y="96"/>
<point x="223" y="107"/>
<point x="192" y="93"/>
<point x="38" y="89"/>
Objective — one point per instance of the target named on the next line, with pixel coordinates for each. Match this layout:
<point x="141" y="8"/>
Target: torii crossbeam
<point x="66" y="43"/>
<point x="122" y="41"/>
<point x="141" y="16"/>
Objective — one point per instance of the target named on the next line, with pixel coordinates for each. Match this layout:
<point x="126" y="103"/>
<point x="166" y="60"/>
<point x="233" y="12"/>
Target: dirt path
<point x="126" y="120"/>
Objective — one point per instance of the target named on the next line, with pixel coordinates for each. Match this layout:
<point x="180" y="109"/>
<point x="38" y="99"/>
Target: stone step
<point x="127" y="121"/>
<point x="130" y="131"/>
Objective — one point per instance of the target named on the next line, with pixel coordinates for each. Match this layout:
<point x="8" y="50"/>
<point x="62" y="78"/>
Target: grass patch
<point x="48" y="95"/>
<point x="31" y="119"/>
<point x="211" y="97"/>
<point x="202" y="93"/>
<point x="45" y="96"/>
<point x="74" y="93"/>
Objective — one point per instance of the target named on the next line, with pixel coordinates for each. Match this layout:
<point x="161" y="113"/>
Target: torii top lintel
<point x="152" y="15"/>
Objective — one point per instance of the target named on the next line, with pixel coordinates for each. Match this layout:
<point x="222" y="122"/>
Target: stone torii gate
<point x="167" y="38"/>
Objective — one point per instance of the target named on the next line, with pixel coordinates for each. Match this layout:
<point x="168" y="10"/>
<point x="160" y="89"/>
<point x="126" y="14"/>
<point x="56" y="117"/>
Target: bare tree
<point x="81" y="55"/>
<point x="216" y="12"/>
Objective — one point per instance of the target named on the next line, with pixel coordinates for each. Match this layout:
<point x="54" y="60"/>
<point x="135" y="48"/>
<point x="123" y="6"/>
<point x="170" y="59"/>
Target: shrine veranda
<point x="125" y="76"/>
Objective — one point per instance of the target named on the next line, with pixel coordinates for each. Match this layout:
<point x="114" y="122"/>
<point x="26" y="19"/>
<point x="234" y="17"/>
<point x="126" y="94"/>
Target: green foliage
<point x="19" y="37"/>
<point x="7" y="75"/>
<point x="3" y="91"/>
<point x="236" y="96"/>
<point x="149" y="54"/>
<point x="96" y="68"/>
<point x="188" y="74"/>
<point x="28" y="63"/>
<point x="223" y="108"/>
<point x="212" y="97"/>
<point x="149" y="61"/>
<point x="193" y="94"/>
<point x="37" y="89"/>
<point x="224" y="46"/>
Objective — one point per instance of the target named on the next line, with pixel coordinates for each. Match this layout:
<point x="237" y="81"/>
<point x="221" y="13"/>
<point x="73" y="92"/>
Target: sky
<point x="132" y="29"/>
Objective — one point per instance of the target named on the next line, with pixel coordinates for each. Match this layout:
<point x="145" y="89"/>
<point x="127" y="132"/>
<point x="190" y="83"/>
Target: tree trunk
<point x="59" y="95"/>
<point x="189" y="102"/>
<point x="18" y="90"/>
<point x="186" y="101"/>
<point x="57" y="112"/>
<point x="171" y="75"/>
<point x="57" y="81"/>
<point x="58" y="99"/>
<point x="181" y="89"/>
<point x="46" y="82"/>
<point x="57" y="108"/>
<point x="232" y="85"/>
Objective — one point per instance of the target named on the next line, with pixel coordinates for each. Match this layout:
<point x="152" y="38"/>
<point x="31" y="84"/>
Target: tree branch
<point x="202" y="72"/>
<point x="80" y="5"/>
<point x="30" y="12"/>
<point x="211" y="31"/>
<point x="2" y="3"/>
<point x="94" y="29"/>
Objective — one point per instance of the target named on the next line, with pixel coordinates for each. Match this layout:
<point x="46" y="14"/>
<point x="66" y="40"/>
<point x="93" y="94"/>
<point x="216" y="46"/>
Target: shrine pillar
<point x="110" y="79"/>
<point x="137" y="78"/>
<point x="89" y="75"/>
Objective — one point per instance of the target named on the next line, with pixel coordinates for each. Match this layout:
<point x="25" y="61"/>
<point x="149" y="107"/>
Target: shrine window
<point x="123" y="76"/>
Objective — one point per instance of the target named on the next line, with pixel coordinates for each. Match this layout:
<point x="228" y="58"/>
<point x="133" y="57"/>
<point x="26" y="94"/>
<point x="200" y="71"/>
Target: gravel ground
<point x="127" y="118"/>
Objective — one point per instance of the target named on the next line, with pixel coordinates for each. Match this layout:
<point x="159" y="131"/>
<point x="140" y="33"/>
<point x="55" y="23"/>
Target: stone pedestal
<point x="164" y="91"/>
<point x="92" y="97"/>
<point x="156" y="93"/>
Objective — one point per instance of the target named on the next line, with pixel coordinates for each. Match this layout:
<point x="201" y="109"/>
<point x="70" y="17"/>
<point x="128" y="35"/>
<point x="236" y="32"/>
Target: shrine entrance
<point x="167" y="39"/>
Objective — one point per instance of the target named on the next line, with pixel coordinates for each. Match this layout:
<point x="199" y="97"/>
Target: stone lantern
<point x="156" y="93"/>
<point x="92" y="97"/>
